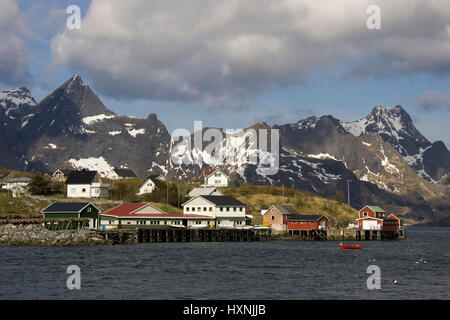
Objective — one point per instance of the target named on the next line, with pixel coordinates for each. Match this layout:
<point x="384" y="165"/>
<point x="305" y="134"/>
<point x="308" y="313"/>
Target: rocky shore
<point x="37" y="235"/>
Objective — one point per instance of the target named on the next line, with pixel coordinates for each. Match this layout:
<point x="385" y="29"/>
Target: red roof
<point x="208" y="172"/>
<point x="127" y="209"/>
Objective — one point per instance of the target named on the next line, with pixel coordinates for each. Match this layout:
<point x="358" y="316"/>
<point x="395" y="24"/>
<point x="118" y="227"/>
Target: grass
<point x="259" y="197"/>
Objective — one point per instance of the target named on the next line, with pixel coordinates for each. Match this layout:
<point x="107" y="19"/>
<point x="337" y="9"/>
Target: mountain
<point x="72" y="128"/>
<point x="383" y="158"/>
<point x="430" y="160"/>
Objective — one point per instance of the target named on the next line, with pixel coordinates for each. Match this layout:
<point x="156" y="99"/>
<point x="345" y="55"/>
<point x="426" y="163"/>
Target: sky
<point x="233" y="63"/>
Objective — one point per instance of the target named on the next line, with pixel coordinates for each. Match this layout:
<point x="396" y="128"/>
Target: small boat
<point x="356" y="246"/>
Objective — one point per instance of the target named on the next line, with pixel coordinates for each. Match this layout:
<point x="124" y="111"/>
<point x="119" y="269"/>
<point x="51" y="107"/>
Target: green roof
<point x="375" y="208"/>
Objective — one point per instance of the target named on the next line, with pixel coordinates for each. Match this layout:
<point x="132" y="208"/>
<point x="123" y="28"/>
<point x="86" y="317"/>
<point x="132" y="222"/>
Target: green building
<point x="71" y="210"/>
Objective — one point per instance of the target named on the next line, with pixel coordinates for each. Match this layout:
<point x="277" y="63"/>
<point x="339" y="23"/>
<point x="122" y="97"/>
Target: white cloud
<point x="219" y="53"/>
<point x="14" y="55"/>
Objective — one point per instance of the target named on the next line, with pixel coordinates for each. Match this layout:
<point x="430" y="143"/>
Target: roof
<point x="208" y="173"/>
<point x="4" y="175"/>
<point x="125" y="173"/>
<point x="203" y="192"/>
<point x="129" y="209"/>
<point x="81" y="177"/>
<point x="19" y="179"/>
<point x="154" y="177"/>
<point x="305" y="217"/>
<point x="375" y="208"/>
<point x="66" y="207"/>
<point x="285" y="209"/>
<point x="223" y="200"/>
<point x="65" y="172"/>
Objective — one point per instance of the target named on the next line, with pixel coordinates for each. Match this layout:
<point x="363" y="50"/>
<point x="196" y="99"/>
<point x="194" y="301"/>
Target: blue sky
<point x="315" y="83"/>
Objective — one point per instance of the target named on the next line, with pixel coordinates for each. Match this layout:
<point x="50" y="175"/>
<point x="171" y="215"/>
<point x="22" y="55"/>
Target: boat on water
<point x="356" y="246"/>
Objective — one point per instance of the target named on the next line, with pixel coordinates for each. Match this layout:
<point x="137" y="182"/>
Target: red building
<point x="285" y="218"/>
<point x="375" y="218"/>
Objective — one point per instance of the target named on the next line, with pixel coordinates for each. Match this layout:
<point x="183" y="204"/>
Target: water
<point x="259" y="270"/>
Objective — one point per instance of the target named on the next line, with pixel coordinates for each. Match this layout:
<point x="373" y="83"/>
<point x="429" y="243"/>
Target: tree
<point x="40" y="185"/>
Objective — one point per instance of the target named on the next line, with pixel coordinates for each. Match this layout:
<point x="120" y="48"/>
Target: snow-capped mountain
<point x="393" y="124"/>
<point x="384" y="156"/>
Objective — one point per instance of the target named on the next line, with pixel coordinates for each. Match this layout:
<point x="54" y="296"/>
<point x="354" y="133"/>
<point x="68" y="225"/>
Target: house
<point x="4" y="176"/>
<point x="86" y="184"/>
<point x="226" y="211"/>
<point x="149" y="184"/>
<point x="204" y="192"/>
<point x="371" y="218"/>
<point x="119" y="174"/>
<point x="215" y="178"/>
<point x="17" y="186"/>
<point x="72" y="210"/>
<point x="146" y="215"/>
<point x="284" y="218"/>
<point x="61" y="175"/>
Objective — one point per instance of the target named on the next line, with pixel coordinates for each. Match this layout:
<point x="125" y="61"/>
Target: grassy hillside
<point x="259" y="197"/>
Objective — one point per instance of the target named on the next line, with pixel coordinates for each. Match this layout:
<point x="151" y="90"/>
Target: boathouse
<point x="285" y="219"/>
<point x="145" y="215"/>
<point x="72" y="210"/>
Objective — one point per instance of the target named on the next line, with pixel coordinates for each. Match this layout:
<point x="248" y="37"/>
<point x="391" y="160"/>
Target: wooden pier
<point x="364" y="235"/>
<point x="129" y="236"/>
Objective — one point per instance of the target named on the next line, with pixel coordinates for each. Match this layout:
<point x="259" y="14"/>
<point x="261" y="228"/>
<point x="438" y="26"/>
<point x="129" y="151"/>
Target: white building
<point x="225" y="210"/>
<point x="215" y="178"/>
<point x="118" y="174"/>
<point x="86" y="184"/>
<point x="149" y="184"/>
<point x="17" y="186"/>
<point x="204" y="192"/>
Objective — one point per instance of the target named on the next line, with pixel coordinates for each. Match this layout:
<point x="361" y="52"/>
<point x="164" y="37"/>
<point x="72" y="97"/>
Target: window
<point x="89" y="209"/>
<point x="273" y="217"/>
<point x="365" y="214"/>
<point x="199" y="209"/>
<point x="240" y="209"/>
<point x="234" y="209"/>
<point x="210" y="208"/>
<point x="187" y="208"/>
<point x="221" y="209"/>
<point x="83" y="190"/>
<point x="204" y="208"/>
<point x="228" y="209"/>
<point x="193" y="209"/>
<point x="303" y="222"/>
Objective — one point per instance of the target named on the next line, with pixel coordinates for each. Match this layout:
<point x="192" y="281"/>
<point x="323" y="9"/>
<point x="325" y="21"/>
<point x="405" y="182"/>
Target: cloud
<point x="433" y="100"/>
<point x="225" y="53"/>
<point x="14" y="55"/>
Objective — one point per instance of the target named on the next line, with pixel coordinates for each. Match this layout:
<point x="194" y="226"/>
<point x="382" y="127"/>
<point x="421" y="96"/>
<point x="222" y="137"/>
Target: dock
<point x="134" y="236"/>
<point x="365" y="235"/>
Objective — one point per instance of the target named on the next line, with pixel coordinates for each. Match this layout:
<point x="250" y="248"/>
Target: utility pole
<point x="167" y="192"/>
<point x="178" y="194"/>
<point x="348" y="192"/>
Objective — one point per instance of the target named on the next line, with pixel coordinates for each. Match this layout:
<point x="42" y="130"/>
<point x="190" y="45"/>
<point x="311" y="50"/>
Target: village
<point x="207" y="214"/>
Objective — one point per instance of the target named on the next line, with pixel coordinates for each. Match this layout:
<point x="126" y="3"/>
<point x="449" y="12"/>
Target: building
<point x="73" y="210"/>
<point x="211" y="191"/>
<point x="284" y="218"/>
<point x="119" y="174"/>
<point x="215" y="178"/>
<point x="61" y="175"/>
<point x="371" y="218"/>
<point x="86" y="184"/>
<point x="17" y="185"/>
<point x="149" y="184"/>
<point x="146" y="215"/>
<point x="226" y="211"/>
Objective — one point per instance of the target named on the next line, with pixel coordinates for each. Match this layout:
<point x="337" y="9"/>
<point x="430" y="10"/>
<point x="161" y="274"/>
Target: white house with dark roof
<point x="119" y="174"/>
<point x="225" y="210"/>
<point x="215" y="178"/>
<point x="86" y="184"/>
<point x="150" y="184"/>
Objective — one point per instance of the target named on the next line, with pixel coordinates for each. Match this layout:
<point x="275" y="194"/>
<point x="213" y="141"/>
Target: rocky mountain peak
<point x="17" y="97"/>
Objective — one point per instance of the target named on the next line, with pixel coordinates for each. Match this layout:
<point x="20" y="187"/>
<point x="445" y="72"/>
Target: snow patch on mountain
<point x="99" y="117"/>
<point x="97" y="164"/>
<point x="135" y="132"/>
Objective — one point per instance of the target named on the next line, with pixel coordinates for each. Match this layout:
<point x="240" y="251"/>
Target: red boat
<point x="356" y="246"/>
